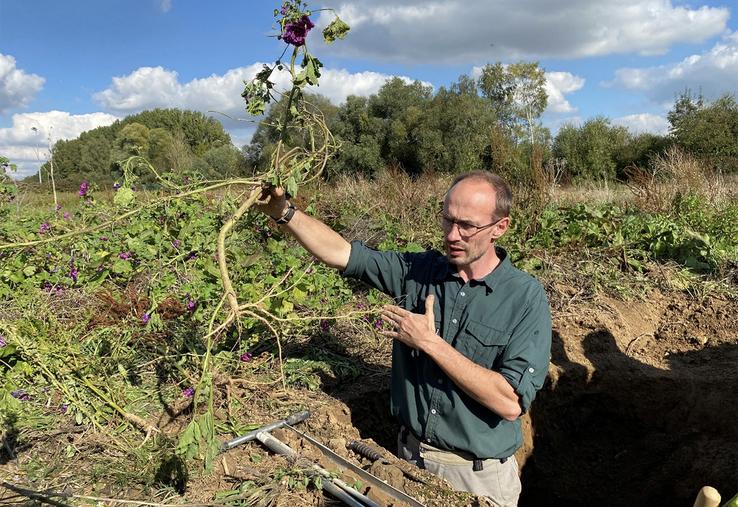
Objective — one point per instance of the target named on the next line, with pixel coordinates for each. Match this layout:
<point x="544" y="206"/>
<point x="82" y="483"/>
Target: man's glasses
<point x="466" y="229"/>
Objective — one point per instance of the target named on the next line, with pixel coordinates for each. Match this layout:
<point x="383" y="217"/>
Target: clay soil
<point x="640" y="409"/>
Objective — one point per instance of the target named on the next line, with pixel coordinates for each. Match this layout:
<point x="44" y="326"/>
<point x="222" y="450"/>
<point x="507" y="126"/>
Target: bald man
<point x="472" y="338"/>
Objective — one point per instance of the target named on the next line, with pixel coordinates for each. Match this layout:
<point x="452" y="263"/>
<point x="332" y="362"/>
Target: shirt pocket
<point x="482" y="343"/>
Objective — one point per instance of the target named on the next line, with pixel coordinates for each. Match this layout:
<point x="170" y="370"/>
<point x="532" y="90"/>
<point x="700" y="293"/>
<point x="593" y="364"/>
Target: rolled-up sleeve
<point x="526" y="357"/>
<point x="384" y="271"/>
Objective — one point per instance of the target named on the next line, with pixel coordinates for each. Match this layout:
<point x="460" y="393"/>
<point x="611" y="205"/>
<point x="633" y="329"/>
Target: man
<point x="472" y="338"/>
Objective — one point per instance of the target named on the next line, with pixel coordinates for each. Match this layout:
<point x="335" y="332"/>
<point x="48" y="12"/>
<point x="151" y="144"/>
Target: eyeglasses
<point x="466" y="229"/>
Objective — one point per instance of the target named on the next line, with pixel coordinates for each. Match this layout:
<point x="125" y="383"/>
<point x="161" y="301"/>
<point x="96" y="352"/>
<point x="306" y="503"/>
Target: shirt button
<point x="462" y="293"/>
<point x="531" y="370"/>
<point x="427" y="440"/>
<point x="454" y="321"/>
<point x="440" y="381"/>
<point x="433" y="411"/>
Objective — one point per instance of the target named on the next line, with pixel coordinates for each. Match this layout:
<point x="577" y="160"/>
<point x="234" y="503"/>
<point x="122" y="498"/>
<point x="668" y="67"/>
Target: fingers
<point x="429" y="311"/>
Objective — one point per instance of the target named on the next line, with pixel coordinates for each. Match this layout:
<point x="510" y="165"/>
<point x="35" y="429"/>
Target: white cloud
<point x="557" y="85"/>
<point x="28" y="148"/>
<point x="643" y="123"/>
<point x="712" y="73"/>
<point x="150" y="87"/>
<point x="474" y="31"/>
<point x="165" y="5"/>
<point x="17" y="88"/>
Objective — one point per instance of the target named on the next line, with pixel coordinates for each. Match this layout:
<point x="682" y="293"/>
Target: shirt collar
<point x="446" y="270"/>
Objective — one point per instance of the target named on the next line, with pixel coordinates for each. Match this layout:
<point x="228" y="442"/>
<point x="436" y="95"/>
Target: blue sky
<point x="70" y="66"/>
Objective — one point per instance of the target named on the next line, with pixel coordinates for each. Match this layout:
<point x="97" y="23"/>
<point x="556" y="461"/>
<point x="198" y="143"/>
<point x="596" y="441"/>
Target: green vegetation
<point x="173" y="140"/>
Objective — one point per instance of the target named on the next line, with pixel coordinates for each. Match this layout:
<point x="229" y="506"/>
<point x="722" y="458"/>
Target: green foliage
<point x="707" y="130"/>
<point x="590" y="151"/>
<point x="691" y="235"/>
<point x="336" y="29"/>
<point x="172" y="139"/>
<point x="518" y="95"/>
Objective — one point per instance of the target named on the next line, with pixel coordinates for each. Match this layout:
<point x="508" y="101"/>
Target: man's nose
<point x="453" y="233"/>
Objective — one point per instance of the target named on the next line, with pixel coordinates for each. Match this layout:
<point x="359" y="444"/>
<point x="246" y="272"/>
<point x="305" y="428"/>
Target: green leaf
<point x="29" y="270"/>
<point x="290" y="185"/>
<point x="298" y="296"/>
<point x="337" y="29"/>
<point x="120" y="266"/>
<point x="123" y="197"/>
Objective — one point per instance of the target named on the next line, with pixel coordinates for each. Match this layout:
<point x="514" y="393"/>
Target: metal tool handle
<point x="364" y="450"/>
<point x="347" y="497"/>
<point x="293" y="419"/>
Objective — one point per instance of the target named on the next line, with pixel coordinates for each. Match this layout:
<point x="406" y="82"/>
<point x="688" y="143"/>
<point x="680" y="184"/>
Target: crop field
<point x="116" y="387"/>
<point x="151" y="312"/>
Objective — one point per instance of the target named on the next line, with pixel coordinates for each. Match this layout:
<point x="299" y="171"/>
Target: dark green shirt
<point x="502" y="322"/>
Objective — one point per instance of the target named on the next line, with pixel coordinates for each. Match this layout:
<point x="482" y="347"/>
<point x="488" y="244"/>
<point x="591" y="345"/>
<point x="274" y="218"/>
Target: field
<point x="118" y="384"/>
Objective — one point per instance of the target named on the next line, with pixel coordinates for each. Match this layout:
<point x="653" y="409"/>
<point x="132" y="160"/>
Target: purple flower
<point x="324" y="326"/>
<point x="66" y="215"/>
<point x="125" y="255"/>
<point x="103" y="238"/>
<point x="63" y="408"/>
<point x="145" y="318"/>
<point x="296" y="31"/>
<point x="191" y="304"/>
<point x="361" y="306"/>
<point x="189" y="392"/>
<point x="191" y="255"/>
<point x="44" y="228"/>
<point x="73" y="273"/>
<point x="378" y="324"/>
<point x="176" y="243"/>
<point x="246" y="357"/>
<point x="21" y="395"/>
<point x="83" y="189"/>
<point x="2" y="341"/>
<point x="58" y="207"/>
<point x="116" y="185"/>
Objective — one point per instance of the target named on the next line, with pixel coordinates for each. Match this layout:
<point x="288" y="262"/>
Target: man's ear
<point x="500" y="228"/>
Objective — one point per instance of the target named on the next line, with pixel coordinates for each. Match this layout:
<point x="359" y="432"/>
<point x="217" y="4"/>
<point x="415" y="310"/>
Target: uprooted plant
<point x="290" y="167"/>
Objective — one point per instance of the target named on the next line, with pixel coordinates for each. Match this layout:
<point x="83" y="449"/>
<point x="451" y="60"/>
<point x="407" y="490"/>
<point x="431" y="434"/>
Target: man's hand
<point x="412" y="329"/>
<point x="273" y="201"/>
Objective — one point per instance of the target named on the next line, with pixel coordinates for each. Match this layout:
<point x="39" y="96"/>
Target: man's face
<point x="470" y="202"/>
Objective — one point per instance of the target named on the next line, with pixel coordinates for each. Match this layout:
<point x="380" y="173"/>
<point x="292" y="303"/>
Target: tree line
<point x="490" y="121"/>
<point x="173" y="140"/>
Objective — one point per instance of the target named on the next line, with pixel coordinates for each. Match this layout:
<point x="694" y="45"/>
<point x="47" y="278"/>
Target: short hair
<point x="503" y="194"/>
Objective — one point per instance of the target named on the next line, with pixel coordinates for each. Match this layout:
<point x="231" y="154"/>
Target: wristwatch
<point x="287" y="214"/>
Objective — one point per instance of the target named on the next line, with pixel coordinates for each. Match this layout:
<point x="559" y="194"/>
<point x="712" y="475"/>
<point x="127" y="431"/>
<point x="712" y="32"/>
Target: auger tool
<point x="359" y="472"/>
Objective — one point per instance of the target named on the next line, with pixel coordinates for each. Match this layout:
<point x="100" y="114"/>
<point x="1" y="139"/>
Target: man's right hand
<point x="273" y="201"/>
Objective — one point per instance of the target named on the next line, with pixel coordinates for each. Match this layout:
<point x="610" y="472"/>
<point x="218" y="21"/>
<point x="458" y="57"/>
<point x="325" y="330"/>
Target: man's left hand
<point x="413" y="329"/>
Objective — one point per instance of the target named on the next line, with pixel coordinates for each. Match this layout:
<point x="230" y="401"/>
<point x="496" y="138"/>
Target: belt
<point x="477" y="463"/>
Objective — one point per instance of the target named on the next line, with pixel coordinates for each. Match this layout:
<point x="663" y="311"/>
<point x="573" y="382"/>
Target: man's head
<point x="475" y="213"/>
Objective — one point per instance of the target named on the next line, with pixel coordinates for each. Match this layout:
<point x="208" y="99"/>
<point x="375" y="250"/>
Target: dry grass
<point x="672" y="174"/>
<point x="411" y="202"/>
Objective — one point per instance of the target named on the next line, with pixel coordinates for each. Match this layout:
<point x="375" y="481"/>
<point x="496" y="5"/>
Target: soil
<point x="640" y="409"/>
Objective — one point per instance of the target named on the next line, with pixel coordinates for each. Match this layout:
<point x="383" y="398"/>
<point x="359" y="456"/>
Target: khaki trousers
<point x="497" y="481"/>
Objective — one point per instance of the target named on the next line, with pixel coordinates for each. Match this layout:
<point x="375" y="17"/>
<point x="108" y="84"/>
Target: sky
<point x="71" y="66"/>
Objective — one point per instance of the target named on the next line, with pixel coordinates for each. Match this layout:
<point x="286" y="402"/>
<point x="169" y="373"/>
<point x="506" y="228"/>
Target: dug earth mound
<point x="639" y="410"/>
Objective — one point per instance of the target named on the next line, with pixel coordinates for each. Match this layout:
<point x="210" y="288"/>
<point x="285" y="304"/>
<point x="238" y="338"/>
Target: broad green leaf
<point x="337" y="29"/>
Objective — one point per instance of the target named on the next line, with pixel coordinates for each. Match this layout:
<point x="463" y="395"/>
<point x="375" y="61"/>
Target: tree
<point x="518" y="95"/>
<point x="590" y="150"/>
<point x="708" y="130"/>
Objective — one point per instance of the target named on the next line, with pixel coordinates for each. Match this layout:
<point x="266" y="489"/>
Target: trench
<point x="624" y="434"/>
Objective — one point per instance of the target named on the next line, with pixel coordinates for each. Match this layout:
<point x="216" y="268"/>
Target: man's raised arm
<point x="317" y="238"/>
